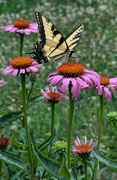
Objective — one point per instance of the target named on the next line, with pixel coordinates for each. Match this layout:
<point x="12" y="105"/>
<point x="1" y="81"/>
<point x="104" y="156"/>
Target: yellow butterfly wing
<point x="53" y="44"/>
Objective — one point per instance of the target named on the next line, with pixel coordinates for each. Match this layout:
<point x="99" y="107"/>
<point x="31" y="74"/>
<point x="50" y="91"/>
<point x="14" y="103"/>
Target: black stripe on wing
<point x="74" y="36"/>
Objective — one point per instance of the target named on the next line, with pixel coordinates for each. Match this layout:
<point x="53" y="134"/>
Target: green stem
<point x="99" y="136"/>
<point x="85" y="169"/>
<point x="21" y="43"/>
<point x="26" y="125"/>
<point x="100" y="121"/>
<point x="32" y="84"/>
<point x="52" y="123"/>
<point x="71" y="115"/>
<point x="0" y="168"/>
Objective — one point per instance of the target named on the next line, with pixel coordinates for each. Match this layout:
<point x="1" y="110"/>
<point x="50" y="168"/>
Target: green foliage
<point x="96" y="51"/>
<point x="110" y="163"/>
<point x="10" y="117"/>
<point x="7" y="158"/>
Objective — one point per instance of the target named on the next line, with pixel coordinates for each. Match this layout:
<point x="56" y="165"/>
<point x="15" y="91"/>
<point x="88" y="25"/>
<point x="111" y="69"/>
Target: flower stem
<point x="21" y="43"/>
<point x="71" y="115"/>
<point x="85" y="169"/>
<point x="100" y="121"/>
<point x="0" y="168"/>
<point x="26" y="125"/>
<point x="52" y="123"/>
<point x="99" y="137"/>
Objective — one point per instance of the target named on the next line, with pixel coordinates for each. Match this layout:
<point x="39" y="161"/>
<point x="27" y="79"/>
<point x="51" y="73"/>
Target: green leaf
<point x="112" y="164"/>
<point x="51" y="139"/>
<point x="16" y="143"/>
<point x="13" y="161"/>
<point x="23" y="135"/>
<point x="34" y="100"/>
<point x="10" y="117"/>
<point x="50" y="165"/>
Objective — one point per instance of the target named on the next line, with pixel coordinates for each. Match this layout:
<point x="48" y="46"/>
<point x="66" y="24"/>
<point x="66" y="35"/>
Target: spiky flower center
<point x="84" y="148"/>
<point x="53" y="95"/>
<point x="21" y="24"/>
<point x="104" y="80"/>
<point x="21" y="62"/>
<point x="71" y="69"/>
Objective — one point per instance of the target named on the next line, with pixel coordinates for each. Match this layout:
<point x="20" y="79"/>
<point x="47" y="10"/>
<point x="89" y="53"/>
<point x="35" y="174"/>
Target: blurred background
<point x="96" y="50"/>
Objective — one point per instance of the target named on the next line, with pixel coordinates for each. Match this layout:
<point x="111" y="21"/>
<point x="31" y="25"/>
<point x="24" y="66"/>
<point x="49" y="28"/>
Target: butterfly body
<point x="53" y="46"/>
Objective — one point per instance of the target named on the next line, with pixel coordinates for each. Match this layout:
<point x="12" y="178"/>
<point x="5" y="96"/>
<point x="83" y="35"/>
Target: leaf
<point x="23" y="135"/>
<point x="16" y="143"/>
<point x="51" y="139"/>
<point x="13" y="161"/>
<point x="112" y="164"/>
<point x="34" y="100"/>
<point x="10" y="117"/>
<point x="50" y="165"/>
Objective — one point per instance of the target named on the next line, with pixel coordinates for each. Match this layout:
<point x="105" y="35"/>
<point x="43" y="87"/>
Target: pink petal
<point x="65" y="83"/>
<point x="82" y="83"/>
<point x="107" y="94"/>
<point x="7" y="70"/>
<point x="15" y="72"/>
<point x="75" y="89"/>
<point x="22" y="71"/>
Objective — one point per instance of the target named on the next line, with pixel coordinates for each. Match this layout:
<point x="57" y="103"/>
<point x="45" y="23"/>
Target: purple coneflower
<point x="82" y="147"/>
<point x="52" y="95"/>
<point x="107" y="86"/>
<point x="22" y="27"/>
<point x="21" y="65"/>
<point x="75" y="74"/>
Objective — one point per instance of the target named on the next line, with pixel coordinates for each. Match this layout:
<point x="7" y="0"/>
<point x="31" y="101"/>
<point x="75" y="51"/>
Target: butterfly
<point x="52" y="44"/>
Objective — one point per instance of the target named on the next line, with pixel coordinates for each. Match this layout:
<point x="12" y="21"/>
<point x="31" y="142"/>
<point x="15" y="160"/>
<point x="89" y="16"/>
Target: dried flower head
<point x="4" y="141"/>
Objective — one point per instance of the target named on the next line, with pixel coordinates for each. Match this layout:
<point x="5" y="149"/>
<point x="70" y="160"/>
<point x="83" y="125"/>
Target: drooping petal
<point x="55" y="79"/>
<point x="107" y="94"/>
<point x="75" y="89"/>
<point x="22" y="71"/>
<point x="100" y="90"/>
<point x="82" y="83"/>
<point x="15" y="72"/>
<point x="65" y="83"/>
<point x="7" y="70"/>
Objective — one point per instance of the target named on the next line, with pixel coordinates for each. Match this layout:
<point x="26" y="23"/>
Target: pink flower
<point x="82" y="147"/>
<point x="52" y="95"/>
<point x="22" y="27"/>
<point x="107" y="86"/>
<point x="77" y="75"/>
<point x="21" y="65"/>
<point x="2" y="82"/>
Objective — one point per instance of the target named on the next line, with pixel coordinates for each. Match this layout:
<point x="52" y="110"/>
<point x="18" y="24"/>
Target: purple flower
<point x="52" y="95"/>
<point x="21" y="65"/>
<point x="2" y="82"/>
<point x="77" y="75"/>
<point x="107" y="86"/>
<point x="82" y="147"/>
<point x="22" y="27"/>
